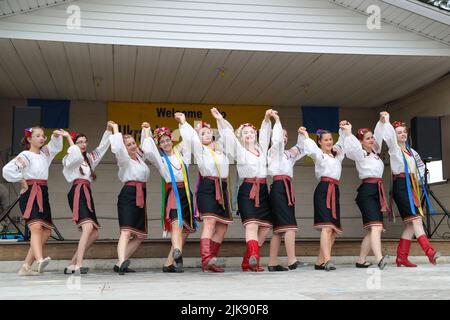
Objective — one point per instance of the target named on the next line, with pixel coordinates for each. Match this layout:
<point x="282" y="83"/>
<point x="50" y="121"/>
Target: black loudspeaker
<point x="23" y="117"/>
<point x="426" y="137"/>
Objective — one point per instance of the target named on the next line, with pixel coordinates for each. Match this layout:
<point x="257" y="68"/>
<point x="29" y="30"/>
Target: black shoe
<point x="366" y="264"/>
<point x="83" y="270"/>
<point x="382" y="263"/>
<point x="297" y="264"/>
<point x="178" y="258"/>
<point x="172" y="268"/>
<point x="319" y="266"/>
<point x="329" y="266"/>
<point x="127" y="270"/>
<point x="123" y="267"/>
<point x="277" y="268"/>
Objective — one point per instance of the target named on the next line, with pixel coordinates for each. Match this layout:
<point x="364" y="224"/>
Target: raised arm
<point x="378" y="136"/>
<point x="54" y="147"/>
<point x="184" y="147"/>
<point x="389" y="135"/>
<point x="345" y="129"/>
<point x="74" y="157"/>
<point x="97" y="154"/>
<point x="277" y="138"/>
<point x="118" y="147"/>
<point x="353" y="148"/>
<point x="309" y="146"/>
<point x="231" y="145"/>
<point x="191" y="138"/>
<point x="151" y="152"/>
<point x="265" y="131"/>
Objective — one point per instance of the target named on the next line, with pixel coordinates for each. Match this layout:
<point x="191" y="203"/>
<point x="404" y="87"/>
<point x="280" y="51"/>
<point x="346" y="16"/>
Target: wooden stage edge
<point x="107" y="249"/>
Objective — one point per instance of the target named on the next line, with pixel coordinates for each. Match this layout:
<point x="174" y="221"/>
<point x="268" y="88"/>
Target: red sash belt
<point x="254" y="192"/>
<point x="331" y="194"/>
<point x="217" y="187"/>
<point x="379" y="181"/>
<point x="171" y="200"/>
<point x="140" y="186"/>
<point x="400" y="175"/>
<point x="35" y="193"/>
<point x="81" y="183"/>
<point x="289" y="187"/>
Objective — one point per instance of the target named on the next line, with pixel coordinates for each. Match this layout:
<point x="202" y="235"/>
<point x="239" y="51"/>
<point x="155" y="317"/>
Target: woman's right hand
<point x="23" y="186"/>
<point x="115" y="127"/>
<point x="216" y="114"/>
<point x="384" y="117"/>
<point x="109" y="125"/>
<point x="303" y="131"/>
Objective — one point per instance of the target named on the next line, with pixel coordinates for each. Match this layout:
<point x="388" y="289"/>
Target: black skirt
<point x="283" y="215"/>
<point x="185" y="212"/>
<point x="84" y="215"/>
<point x="131" y="217"/>
<point x="400" y="195"/>
<point x="368" y="201"/>
<point x="323" y="217"/>
<point x="208" y="206"/>
<point x="36" y="217"/>
<point x="247" y="210"/>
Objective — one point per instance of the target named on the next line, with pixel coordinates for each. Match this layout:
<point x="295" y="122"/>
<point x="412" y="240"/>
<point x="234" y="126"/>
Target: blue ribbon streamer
<point x="175" y="189"/>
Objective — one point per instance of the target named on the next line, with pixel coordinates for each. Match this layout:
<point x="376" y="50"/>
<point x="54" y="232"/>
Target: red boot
<point x="402" y="254"/>
<point x="428" y="249"/>
<point x="205" y="252"/>
<point x="215" y="247"/>
<point x="254" y="256"/>
<point x="245" y="266"/>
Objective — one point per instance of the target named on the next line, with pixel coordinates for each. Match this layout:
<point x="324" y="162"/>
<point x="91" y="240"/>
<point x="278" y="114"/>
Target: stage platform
<point x="107" y="249"/>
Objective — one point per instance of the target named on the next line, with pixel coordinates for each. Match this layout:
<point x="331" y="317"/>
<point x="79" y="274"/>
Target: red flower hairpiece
<point x="28" y="132"/>
<point x="200" y="125"/>
<point x="362" y="132"/>
<point x="397" y="124"/>
<point x="73" y="134"/>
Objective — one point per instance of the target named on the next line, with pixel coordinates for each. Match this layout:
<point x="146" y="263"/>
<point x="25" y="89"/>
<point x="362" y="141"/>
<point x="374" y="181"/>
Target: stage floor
<point x="347" y="282"/>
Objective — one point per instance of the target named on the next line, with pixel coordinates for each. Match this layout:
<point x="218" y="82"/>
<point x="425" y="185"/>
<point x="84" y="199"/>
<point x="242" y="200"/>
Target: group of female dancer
<point x="260" y="209"/>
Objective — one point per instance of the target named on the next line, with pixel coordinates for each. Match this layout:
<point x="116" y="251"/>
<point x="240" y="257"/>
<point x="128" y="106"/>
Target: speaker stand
<point x="431" y="194"/>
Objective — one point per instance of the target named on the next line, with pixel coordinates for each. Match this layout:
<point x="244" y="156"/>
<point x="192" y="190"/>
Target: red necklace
<point x="173" y="165"/>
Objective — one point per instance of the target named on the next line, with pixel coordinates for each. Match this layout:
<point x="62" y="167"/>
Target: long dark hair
<point x="24" y="141"/>
<point x="320" y="133"/>
<point x="93" y="175"/>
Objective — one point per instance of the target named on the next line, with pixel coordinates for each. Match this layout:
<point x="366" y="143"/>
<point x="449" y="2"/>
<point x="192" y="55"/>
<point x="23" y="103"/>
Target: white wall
<point x="317" y="26"/>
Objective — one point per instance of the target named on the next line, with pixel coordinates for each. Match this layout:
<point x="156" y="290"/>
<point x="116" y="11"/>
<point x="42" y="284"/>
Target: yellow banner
<point x="48" y="133"/>
<point x="129" y="115"/>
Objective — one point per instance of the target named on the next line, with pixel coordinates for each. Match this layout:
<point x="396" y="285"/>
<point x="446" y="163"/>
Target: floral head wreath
<point x="242" y="126"/>
<point x="362" y="132"/>
<point x="73" y="134"/>
<point x="159" y="132"/>
<point x="397" y="124"/>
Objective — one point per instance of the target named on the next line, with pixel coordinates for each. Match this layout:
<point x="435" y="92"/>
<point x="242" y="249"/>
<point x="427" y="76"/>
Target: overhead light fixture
<point x="97" y="81"/>
<point x="306" y="89"/>
<point x="222" y="72"/>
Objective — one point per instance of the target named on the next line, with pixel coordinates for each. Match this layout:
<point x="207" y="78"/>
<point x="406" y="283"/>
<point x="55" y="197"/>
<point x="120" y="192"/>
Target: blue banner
<point x="55" y="113"/>
<point x="321" y="118"/>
